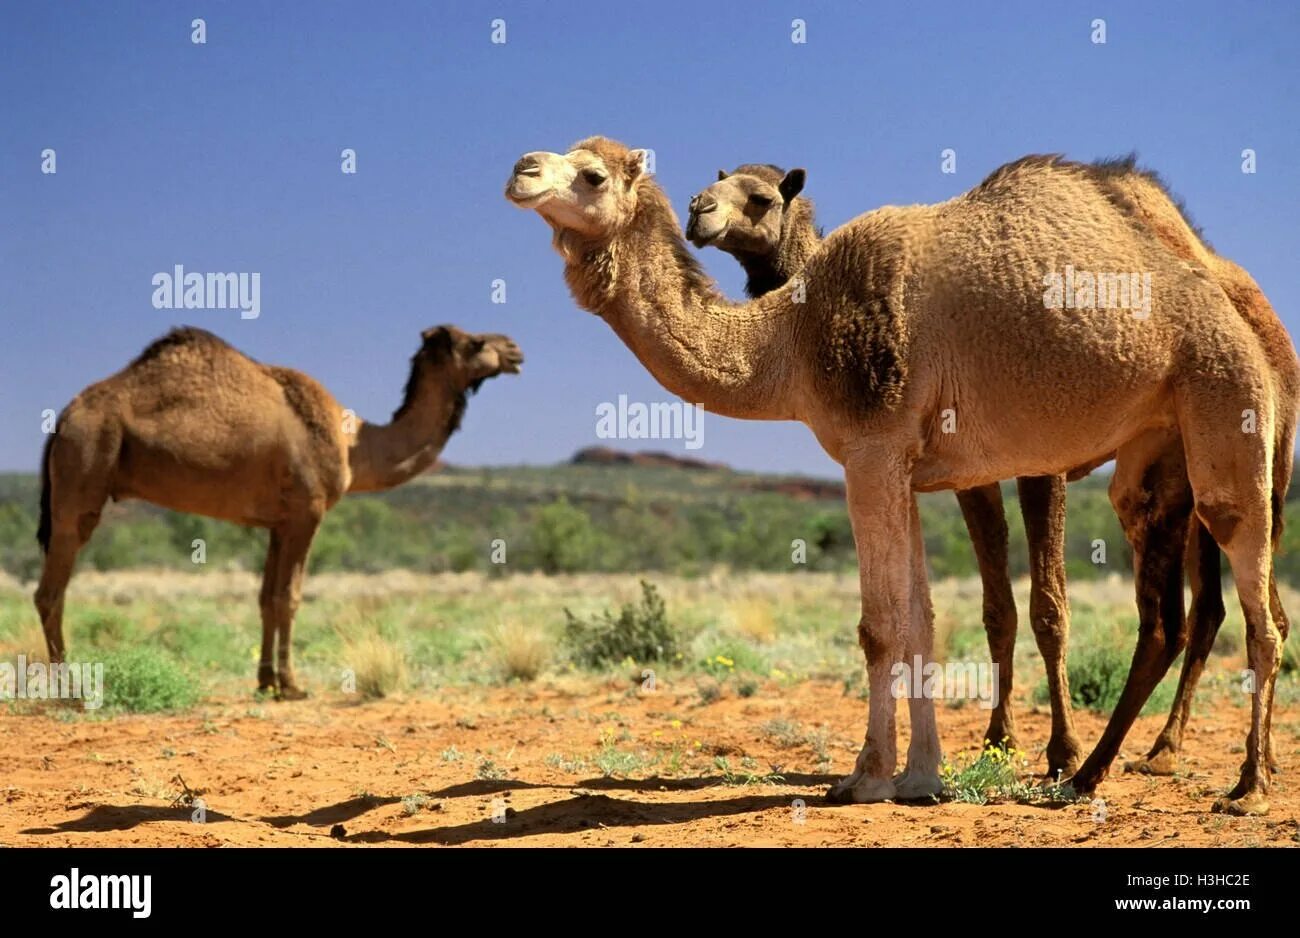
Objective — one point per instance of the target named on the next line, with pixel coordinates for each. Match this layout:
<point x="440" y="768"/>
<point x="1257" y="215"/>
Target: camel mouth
<point x="702" y="238"/>
<point x="525" y="199"/>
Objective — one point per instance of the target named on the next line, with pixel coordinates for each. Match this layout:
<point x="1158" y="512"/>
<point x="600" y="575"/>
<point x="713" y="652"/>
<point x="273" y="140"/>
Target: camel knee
<point x="876" y="648"/>
<point x="1220" y="517"/>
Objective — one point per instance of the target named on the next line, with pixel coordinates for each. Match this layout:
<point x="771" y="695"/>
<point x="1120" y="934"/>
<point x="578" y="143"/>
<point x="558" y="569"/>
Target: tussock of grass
<point x="520" y="652"/>
<point x="378" y="665"/>
<point x="753" y="620"/>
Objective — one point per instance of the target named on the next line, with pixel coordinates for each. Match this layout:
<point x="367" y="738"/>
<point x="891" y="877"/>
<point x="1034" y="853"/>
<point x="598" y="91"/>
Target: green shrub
<point x="641" y="631"/>
<point x="563" y="539"/>
<point x="144" y="680"/>
<point x="1097" y="675"/>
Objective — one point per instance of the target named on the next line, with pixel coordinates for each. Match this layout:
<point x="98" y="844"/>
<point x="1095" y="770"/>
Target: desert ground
<point x="448" y="710"/>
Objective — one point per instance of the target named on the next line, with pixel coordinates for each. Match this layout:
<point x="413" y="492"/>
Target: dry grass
<point x="519" y="651"/>
<point x="378" y="666"/>
<point x="752" y="619"/>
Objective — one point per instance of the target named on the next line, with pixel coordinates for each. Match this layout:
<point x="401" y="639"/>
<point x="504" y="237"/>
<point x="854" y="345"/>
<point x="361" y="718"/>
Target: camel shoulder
<point x="314" y="406"/>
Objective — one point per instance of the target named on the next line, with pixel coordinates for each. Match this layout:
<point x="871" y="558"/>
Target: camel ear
<point x="722" y="174"/>
<point x="437" y="341"/>
<point x="639" y="163"/>
<point x="792" y="184"/>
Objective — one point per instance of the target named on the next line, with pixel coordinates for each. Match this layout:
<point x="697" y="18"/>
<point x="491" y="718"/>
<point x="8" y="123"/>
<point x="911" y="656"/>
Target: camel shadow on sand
<point x="114" y="817"/>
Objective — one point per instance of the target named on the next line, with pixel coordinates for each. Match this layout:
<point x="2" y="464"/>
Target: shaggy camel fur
<point x="196" y="426"/>
<point x="758" y="215"/>
<point x="924" y="354"/>
<point x="1165" y="502"/>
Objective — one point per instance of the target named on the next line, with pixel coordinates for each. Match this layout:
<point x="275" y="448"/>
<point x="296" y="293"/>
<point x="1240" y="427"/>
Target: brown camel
<point x="758" y="214"/>
<point x="924" y="354"/>
<point x="195" y="425"/>
<point x="1166" y="500"/>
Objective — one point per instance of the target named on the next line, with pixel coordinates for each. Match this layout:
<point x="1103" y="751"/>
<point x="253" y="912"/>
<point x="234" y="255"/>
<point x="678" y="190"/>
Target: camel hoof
<point x="1063" y="758"/>
<point x="1082" y="785"/>
<point x="861" y="790"/>
<point x="292" y="692"/>
<point x="1251" y="804"/>
<point x="918" y="786"/>
<point x="1163" y="763"/>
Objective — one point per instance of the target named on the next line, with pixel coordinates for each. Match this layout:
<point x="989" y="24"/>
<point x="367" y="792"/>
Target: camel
<point x="924" y="354"/>
<point x="194" y="425"/>
<point x="758" y="214"/>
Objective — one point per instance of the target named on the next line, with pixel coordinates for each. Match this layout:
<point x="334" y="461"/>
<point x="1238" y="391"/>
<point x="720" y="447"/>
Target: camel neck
<point x="799" y="241"/>
<point x="734" y="359"/>
<point x="386" y="455"/>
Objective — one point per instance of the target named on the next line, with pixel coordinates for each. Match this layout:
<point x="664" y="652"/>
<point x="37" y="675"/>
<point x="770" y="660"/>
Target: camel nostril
<point x="702" y="205"/>
<point x="528" y="166"/>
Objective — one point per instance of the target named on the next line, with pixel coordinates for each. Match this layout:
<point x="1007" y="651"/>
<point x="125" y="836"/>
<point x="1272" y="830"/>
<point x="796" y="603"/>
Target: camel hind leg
<point x="75" y="500"/>
<point x="1042" y="504"/>
<point x="1227" y="433"/>
<point x="985" y="518"/>
<point x="1207" y="612"/>
<point x="1153" y="500"/>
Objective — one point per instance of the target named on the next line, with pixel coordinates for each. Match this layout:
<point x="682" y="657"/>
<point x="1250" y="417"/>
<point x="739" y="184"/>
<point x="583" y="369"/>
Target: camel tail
<point x="43" y="528"/>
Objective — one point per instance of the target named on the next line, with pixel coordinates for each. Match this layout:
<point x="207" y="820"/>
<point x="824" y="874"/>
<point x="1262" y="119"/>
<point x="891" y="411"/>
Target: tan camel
<point x="196" y="426"/>
<point x="758" y="214"/>
<point x="1166" y="502"/>
<point x="924" y="354"/>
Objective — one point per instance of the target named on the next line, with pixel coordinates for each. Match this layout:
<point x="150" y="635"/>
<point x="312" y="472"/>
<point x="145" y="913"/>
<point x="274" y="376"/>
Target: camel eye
<point x="759" y="200"/>
<point x="594" y="177"/>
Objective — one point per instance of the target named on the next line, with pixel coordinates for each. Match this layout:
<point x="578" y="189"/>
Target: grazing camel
<point x="924" y="354"/>
<point x="758" y="215"/>
<point x="196" y="426"/>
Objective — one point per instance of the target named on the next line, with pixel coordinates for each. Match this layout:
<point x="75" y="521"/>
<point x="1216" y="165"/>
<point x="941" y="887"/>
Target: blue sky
<point x="226" y="157"/>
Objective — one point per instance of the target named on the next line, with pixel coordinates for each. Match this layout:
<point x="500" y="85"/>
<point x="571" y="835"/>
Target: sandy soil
<point x="331" y="772"/>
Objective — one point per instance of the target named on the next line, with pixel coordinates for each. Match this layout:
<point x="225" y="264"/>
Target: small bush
<point x="1097" y="675"/>
<point x="144" y="680"/>
<point x="641" y="632"/>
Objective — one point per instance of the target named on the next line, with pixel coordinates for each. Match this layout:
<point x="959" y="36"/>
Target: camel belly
<point x="245" y="491"/>
<point x="1031" y="440"/>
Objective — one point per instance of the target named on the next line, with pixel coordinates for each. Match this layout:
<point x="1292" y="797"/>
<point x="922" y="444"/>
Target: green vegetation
<point x="640" y="632"/>
<point x="567" y="519"/>
<point x="143" y="680"/>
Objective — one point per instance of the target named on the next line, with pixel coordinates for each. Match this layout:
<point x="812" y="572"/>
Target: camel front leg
<point x="879" y="502"/>
<point x="267" y="604"/>
<point x="1042" y="504"/>
<point x="291" y="567"/>
<point x="986" y="520"/>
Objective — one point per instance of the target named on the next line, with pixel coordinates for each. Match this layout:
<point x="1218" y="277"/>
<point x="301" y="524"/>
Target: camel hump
<point x="183" y="338"/>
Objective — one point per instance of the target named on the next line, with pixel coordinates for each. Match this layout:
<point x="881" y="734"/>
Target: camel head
<point x="743" y="212"/>
<point x="591" y="191"/>
<point x="466" y="358"/>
